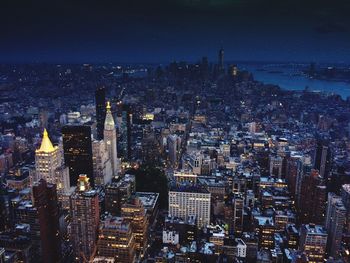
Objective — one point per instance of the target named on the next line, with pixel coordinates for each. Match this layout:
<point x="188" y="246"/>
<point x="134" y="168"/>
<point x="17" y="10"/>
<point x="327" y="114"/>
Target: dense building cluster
<point x="253" y="173"/>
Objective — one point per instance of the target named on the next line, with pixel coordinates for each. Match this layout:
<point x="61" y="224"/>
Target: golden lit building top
<point x="83" y="183"/>
<point x="108" y="107"/>
<point x="46" y="145"/>
<point x="109" y="121"/>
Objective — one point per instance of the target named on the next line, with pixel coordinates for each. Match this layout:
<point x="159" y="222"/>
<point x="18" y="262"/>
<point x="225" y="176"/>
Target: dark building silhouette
<point x="77" y="149"/>
<point x="100" y="98"/>
<point x="313" y="199"/>
<point x="221" y="66"/>
<point x="124" y="116"/>
<point x="233" y="213"/>
<point x="4" y="208"/>
<point x="323" y="159"/>
<point x="204" y="68"/>
<point x="46" y="202"/>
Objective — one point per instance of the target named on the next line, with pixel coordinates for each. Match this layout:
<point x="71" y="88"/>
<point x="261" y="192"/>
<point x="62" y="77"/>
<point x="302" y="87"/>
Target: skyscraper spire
<point x="108" y="107"/>
<point x="46" y="145"/>
<point x="109" y="121"/>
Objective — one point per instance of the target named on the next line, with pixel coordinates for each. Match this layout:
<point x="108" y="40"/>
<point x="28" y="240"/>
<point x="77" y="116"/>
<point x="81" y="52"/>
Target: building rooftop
<point x="315" y="229"/>
<point x="346" y="188"/>
<point x="191" y="220"/>
<point x="264" y="220"/>
<point x="46" y="144"/>
<point x="114" y="222"/>
<point x="148" y="199"/>
<point x="189" y="189"/>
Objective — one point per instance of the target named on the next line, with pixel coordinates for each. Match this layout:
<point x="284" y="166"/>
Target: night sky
<point x="162" y="31"/>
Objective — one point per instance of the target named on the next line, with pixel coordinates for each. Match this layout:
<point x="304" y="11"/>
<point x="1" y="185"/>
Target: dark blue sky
<point x="161" y="31"/>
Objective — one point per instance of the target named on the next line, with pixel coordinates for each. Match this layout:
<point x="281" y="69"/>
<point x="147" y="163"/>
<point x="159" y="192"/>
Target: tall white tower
<point x="49" y="165"/>
<point x="110" y="138"/>
<point x="47" y="160"/>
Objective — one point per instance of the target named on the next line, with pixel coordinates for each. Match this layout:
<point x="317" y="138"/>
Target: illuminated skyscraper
<point x="49" y="165"/>
<point x="77" y="149"/>
<point x="100" y="100"/>
<point x="47" y="159"/>
<point x="85" y="215"/>
<point x="110" y="137"/>
<point x="46" y="202"/>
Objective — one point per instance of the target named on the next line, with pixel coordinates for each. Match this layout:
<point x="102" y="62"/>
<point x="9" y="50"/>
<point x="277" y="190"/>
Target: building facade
<point x="185" y="202"/>
<point x="77" y="149"/>
<point x="85" y="216"/>
<point x="110" y="138"/>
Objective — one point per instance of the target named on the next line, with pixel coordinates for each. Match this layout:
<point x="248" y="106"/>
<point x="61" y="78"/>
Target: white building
<point x="190" y="201"/>
<point x="49" y="166"/>
<point x="170" y="237"/>
<point x="110" y="138"/>
<point x="241" y="248"/>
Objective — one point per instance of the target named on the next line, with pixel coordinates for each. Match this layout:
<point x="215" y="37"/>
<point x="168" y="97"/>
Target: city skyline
<point x="175" y="131"/>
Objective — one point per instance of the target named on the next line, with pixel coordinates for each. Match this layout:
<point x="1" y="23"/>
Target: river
<point x="289" y="76"/>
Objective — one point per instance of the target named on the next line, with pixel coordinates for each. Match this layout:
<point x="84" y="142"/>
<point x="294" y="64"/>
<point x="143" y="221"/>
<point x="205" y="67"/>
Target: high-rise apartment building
<point x="85" y="216"/>
<point x="313" y="199"/>
<point x="189" y="201"/>
<point x="335" y="221"/>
